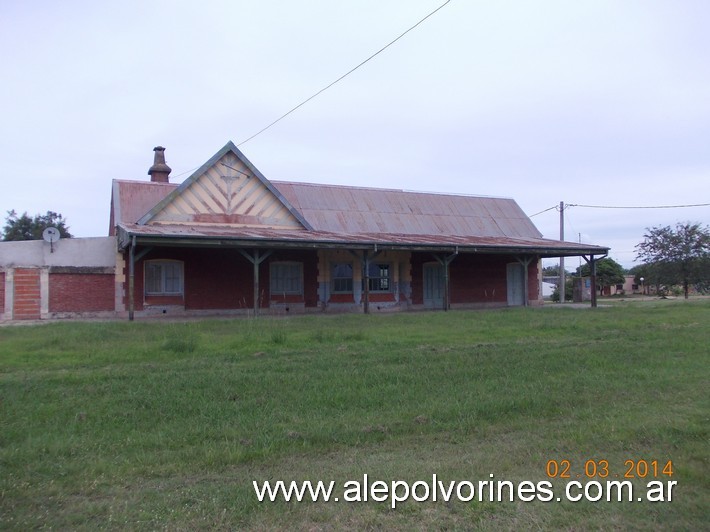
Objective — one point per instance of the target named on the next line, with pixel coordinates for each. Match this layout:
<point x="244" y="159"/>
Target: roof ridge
<point x="279" y="182"/>
<point x="144" y="182"/>
<point x="399" y="190"/>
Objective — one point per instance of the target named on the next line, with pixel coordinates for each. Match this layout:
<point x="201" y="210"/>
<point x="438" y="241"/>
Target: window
<point x="286" y="278"/>
<point x="342" y="277"/>
<point x="163" y="277"/>
<point x="379" y="275"/>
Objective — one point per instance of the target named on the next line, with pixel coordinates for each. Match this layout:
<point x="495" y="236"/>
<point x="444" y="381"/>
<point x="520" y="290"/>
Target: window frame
<point x="275" y="266"/>
<point x="164" y="277"/>
<point x="334" y="280"/>
<point x="371" y="279"/>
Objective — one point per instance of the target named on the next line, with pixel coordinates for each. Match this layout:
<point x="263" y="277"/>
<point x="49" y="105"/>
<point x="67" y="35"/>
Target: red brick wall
<point x="222" y="278"/>
<point x="479" y="279"/>
<point x="380" y="297"/>
<point x="342" y="298"/>
<point x="164" y="300"/>
<point x="26" y="294"/>
<point x="80" y="292"/>
<point x="218" y="279"/>
<point x="417" y="286"/>
<point x="473" y="278"/>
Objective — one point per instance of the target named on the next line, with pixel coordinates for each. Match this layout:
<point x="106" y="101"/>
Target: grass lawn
<point x="151" y="425"/>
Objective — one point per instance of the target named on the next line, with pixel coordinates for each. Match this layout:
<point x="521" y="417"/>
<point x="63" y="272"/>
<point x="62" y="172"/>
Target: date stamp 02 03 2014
<point x="631" y="469"/>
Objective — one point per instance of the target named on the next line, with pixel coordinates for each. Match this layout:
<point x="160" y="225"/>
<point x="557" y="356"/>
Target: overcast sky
<point x="586" y="102"/>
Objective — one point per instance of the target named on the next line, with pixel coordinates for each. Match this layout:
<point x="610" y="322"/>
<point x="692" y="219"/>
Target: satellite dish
<point x="51" y="235"/>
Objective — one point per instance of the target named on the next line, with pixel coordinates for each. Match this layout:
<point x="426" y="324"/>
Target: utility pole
<point x="562" y="259"/>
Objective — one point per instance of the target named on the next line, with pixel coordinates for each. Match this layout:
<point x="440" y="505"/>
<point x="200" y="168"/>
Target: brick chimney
<point x="160" y="171"/>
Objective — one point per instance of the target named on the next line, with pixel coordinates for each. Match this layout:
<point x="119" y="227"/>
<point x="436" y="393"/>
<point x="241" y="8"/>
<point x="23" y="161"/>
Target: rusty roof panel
<point x="370" y="210"/>
<point x="133" y="199"/>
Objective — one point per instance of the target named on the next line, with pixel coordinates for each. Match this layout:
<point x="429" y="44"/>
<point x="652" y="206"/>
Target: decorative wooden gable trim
<point x="227" y="190"/>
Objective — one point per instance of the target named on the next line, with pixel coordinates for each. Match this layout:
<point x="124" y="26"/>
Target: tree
<point x="550" y="271"/>
<point x="553" y="271"/>
<point x="680" y="255"/>
<point x="653" y="274"/>
<point x="609" y="272"/>
<point x="26" y="228"/>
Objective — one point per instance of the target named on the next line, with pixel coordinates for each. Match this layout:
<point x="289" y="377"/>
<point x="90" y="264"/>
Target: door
<point x="433" y="286"/>
<point x="516" y="284"/>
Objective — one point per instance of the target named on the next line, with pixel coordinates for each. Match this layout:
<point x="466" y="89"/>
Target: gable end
<point x="227" y="190"/>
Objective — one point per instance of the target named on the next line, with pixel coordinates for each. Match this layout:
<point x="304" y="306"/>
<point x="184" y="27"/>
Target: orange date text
<point x="593" y="468"/>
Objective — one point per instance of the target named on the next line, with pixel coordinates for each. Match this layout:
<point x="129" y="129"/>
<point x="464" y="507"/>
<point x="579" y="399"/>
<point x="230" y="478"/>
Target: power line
<point x="638" y="207"/>
<point x="567" y="205"/>
<point x="553" y="207"/>
<point x="304" y="102"/>
<point x="332" y="83"/>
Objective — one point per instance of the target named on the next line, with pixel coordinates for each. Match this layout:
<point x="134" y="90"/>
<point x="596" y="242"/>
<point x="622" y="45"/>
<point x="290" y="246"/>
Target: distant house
<point x="227" y="240"/>
<point x="628" y="287"/>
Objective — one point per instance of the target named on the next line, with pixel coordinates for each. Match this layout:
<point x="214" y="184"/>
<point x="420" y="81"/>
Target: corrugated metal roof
<point x="133" y="199"/>
<point x="342" y="209"/>
<point x="341" y="215"/>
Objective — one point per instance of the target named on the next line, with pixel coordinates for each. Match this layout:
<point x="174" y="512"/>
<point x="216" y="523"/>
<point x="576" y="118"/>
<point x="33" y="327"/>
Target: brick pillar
<point x="27" y="300"/>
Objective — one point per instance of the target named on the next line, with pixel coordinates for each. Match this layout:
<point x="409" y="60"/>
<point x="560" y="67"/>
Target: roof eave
<point x="222" y="241"/>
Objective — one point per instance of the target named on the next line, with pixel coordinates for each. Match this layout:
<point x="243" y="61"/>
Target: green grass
<point x="165" y="425"/>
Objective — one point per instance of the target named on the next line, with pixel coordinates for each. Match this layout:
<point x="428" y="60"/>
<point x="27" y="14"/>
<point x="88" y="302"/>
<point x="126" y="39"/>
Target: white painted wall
<point x="86" y="252"/>
<point x="547" y="289"/>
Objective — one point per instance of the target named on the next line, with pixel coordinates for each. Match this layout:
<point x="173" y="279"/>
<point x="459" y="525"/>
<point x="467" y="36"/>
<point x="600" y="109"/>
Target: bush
<point x="569" y="287"/>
